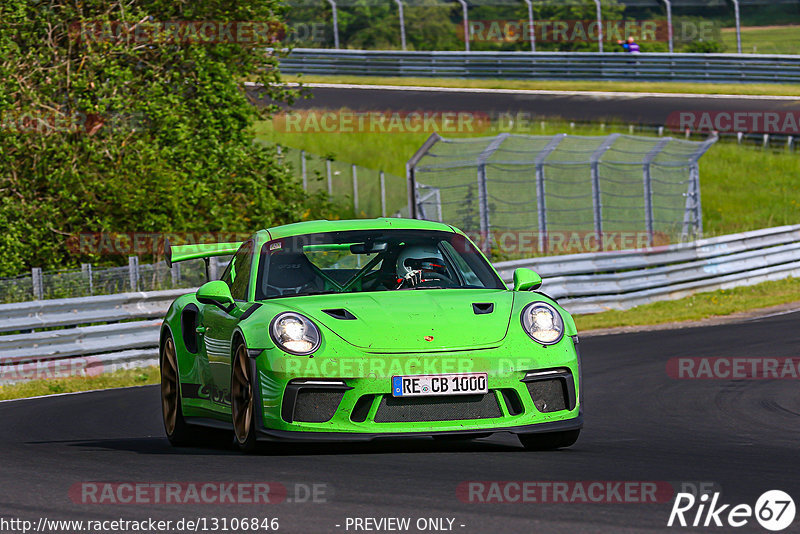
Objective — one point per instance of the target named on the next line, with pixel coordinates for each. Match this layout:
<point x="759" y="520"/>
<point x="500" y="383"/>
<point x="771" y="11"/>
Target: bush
<point x="104" y="134"/>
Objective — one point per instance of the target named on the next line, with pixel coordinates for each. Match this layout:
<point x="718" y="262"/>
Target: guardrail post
<point x="36" y="282"/>
<point x="355" y="190"/>
<point x="86" y="269"/>
<point x="595" y="176"/>
<point x="303" y="169"/>
<point x="383" y="194"/>
<point x="133" y="272"/>
<point x="330" y="178"/>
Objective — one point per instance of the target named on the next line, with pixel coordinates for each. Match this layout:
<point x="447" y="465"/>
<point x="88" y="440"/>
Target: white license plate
<point x="432" y="385"/>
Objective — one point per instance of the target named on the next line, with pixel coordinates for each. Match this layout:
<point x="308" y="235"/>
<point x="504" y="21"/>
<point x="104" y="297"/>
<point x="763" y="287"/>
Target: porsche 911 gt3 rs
<point x="365" y="329"/>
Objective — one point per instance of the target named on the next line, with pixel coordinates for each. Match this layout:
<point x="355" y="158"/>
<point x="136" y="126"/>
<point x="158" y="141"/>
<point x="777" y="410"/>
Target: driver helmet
<point x="420" y="257"/>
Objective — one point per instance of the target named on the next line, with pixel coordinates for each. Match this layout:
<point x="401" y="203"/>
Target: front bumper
<point x="335" y="397"/>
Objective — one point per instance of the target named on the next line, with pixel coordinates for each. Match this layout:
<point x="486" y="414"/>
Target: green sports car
<point x="365" y="329"/>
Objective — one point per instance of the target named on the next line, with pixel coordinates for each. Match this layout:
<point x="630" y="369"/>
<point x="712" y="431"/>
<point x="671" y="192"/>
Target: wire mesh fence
<point x="88" y="281"/>
<point x="365" y="192"/>
<point x="558" y="187"/>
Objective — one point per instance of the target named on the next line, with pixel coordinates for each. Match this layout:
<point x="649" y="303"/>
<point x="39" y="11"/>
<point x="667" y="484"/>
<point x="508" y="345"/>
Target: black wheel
<point x="178" y="432"/>
<point x="242" y="405"/>
<point x="549" y="440"/>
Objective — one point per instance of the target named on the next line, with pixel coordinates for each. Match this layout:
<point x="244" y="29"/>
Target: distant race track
<point x="636" y="108"/>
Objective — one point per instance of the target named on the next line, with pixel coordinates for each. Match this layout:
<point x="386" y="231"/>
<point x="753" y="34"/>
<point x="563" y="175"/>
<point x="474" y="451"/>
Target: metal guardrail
<point x="61" y="337"/>
<point x="656" y="67"/>
<point x="596" y="282"/>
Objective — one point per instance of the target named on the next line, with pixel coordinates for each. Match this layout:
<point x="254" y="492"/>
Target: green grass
<point x="742" y="187"/>
<point x="699" y="306"/>
<point x="566" y="85"/>
<point x="117" y="379"/>
<point x="765" y="40"/>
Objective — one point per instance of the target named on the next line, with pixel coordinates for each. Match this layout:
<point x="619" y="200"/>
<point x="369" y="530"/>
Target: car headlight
<point x="543" y="323"/>
<point x="294" y="333"/>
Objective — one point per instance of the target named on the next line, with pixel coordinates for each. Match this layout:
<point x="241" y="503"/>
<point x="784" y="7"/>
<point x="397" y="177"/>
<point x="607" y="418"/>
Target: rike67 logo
<point x="774" y="510"/>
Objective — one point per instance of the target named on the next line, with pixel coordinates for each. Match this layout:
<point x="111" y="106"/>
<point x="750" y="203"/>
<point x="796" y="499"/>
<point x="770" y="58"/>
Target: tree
<point x="111" y="120"/>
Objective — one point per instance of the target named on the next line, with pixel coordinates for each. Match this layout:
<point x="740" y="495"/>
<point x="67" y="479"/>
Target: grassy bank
<point x="117" y="379"/>
<point x="700" y="306"/>
<point x="764" y="39"/>
<point x="566" y="85"/>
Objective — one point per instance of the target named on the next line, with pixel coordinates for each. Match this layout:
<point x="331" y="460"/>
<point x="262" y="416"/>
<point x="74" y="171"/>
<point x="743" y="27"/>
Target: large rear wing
<point x="177" y="253"/>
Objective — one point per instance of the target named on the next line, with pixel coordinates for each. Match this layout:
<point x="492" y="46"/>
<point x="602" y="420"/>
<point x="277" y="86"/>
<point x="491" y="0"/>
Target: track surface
<point x="640" y="425"/>
<point x="626" y="107"/>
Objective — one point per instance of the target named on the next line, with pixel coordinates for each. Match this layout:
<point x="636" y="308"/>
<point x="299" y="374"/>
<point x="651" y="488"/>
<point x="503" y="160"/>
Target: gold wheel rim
<point x="169" y="386"/>
<point x="241" y="395"/>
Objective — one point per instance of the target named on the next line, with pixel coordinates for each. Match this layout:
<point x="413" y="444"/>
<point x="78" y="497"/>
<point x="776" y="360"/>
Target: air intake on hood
<point x="340" y="313"/>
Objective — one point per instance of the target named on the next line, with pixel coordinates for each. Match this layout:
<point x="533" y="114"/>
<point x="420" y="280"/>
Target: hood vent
<point x="340" y="313"/>
<point x="482" y="308"/>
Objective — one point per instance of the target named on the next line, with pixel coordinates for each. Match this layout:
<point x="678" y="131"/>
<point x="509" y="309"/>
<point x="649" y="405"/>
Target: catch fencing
<point x="367" y="192"/>
<point x="562" y="183"/>
<point x="652" y="67"/>
<point x="63" y="337"/>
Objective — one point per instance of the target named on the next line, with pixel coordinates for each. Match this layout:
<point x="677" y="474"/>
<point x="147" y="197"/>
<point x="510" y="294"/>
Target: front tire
<point x="242" y="400"/>
<point x="548" y="441"/>
<point x="178" y="432"/>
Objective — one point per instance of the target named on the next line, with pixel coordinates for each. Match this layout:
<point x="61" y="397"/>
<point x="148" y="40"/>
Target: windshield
<point x="373" y="260"/>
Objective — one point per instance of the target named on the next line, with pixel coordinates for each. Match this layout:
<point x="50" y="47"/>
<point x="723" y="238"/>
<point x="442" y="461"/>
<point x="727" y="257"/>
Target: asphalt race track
<point x="641" y="425"/>
<point x="579" y="106"/>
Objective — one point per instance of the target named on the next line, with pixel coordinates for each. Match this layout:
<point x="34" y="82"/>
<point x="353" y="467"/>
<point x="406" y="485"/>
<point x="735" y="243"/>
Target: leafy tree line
<point x="435" y="24"/>
<point x="101" y="132"/>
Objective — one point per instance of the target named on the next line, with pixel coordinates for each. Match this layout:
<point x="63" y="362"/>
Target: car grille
<point x="316" y="406"/>
<point x="446" y="408"/>
<point x="548" y="395"/>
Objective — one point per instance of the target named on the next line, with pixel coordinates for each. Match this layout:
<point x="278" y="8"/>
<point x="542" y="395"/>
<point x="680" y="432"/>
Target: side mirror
<point x="526" y="279"/>
<point x="215" y="292"/>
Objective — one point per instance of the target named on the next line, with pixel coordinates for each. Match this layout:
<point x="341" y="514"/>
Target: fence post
<point x="669" y="24"/>
<point x="303" y="169"/>
<point x="36" y="281"/>
<point x="738" y="26"/>
<point x="595" y="175"/>
<point x="383" y="194"/>
<point x="465" y="18"/>
<point x="541" y="204"/>
<point x="648" y="187"/>
<point x="212" y="268"/>
<point x="133" y="272"/>
<point x="335" y="24"/>
<point x="175" y="273"/>
<point x="86" y="269"/>
<point x="402" y="24"/>
<point x="355" y="190"/>
<point x="330" y="178"/>
<point x="599" y="25"/>
<point x="483" y="190"/>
